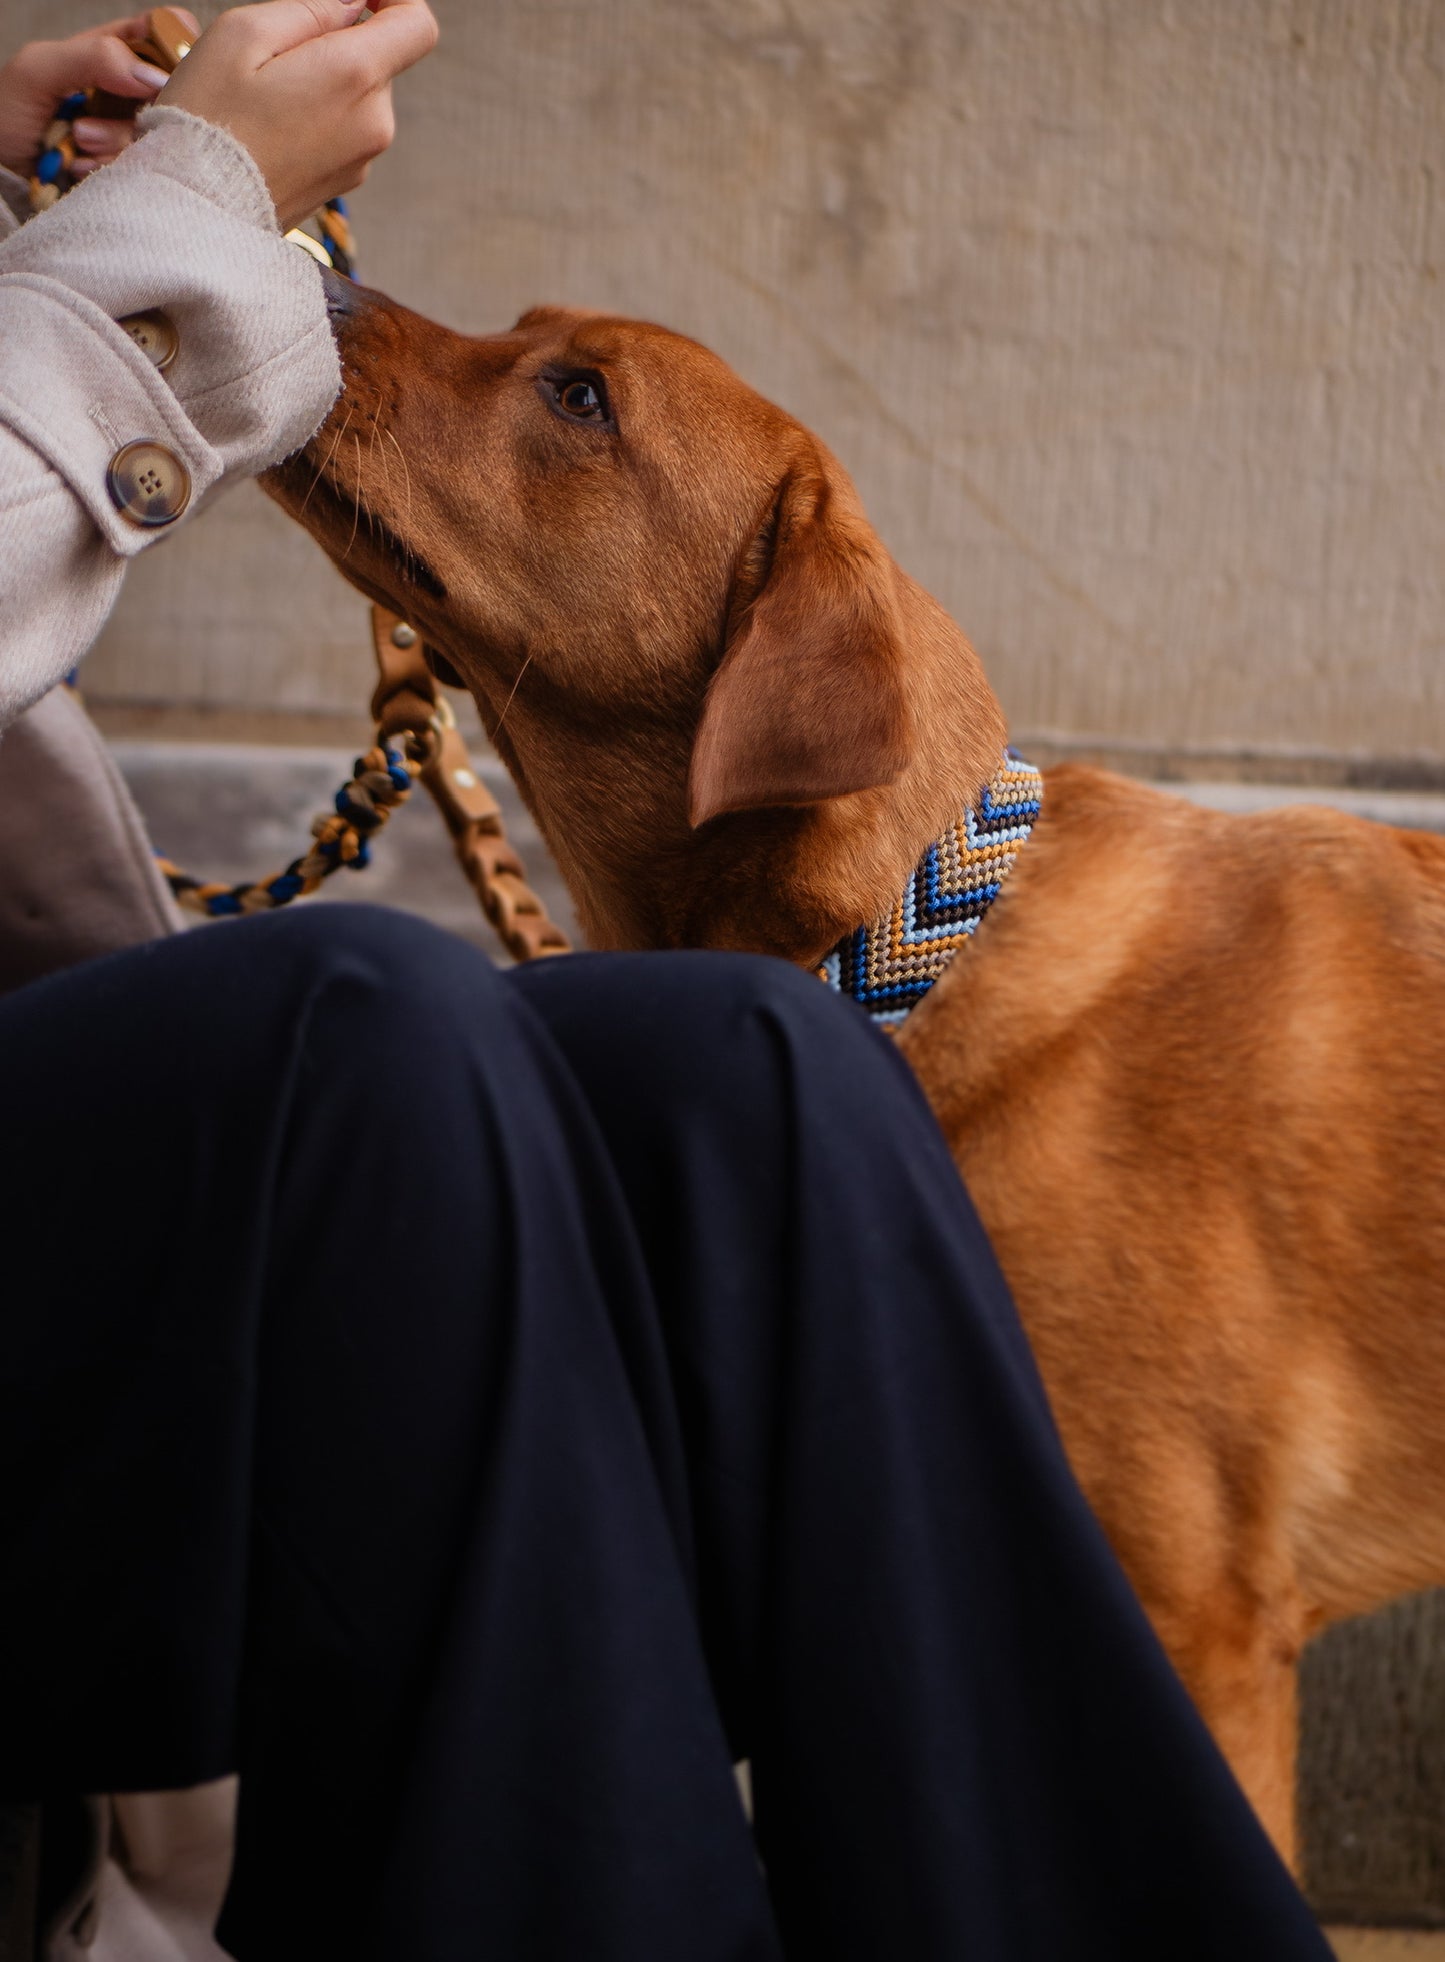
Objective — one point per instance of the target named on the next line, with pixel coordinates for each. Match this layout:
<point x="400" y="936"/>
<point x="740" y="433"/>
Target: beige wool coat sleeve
<point x="183" y="223"/>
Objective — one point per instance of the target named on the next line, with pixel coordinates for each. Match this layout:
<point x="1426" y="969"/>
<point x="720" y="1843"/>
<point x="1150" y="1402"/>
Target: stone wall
<point x="1126" y="315"/>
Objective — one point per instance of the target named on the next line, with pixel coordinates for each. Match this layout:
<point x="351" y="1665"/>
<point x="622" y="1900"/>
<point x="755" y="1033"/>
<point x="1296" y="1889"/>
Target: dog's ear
<point x="543" y="316"/>
<point x="548" y="316"/>
<point x="807" y="702"/>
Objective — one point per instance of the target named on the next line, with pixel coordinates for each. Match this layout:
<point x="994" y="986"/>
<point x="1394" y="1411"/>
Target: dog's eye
<point x="577" y="398"/>
<point x="580" y="399"/>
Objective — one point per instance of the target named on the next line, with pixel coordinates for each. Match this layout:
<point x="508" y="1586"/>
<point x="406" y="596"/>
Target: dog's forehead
<point x="637" y="349"/>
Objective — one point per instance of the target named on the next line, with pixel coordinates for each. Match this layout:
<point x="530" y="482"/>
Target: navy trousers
<point x="480" y="1408"/>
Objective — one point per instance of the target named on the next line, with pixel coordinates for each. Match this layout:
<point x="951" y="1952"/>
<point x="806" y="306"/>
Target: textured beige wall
<point x="1126" y="314"/>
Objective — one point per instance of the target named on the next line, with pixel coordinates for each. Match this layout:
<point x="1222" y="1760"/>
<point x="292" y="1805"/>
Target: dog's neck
<point x="609" y="796"/>
<point x="888" y="967"/>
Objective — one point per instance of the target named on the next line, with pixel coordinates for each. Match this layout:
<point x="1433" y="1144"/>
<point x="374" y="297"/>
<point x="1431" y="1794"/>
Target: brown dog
<point x="1192" y="1067"/>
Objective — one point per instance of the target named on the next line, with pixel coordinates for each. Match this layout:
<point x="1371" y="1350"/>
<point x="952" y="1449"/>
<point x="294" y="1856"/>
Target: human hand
<point x="35" y="82"/>
<point x="311" y="103"/>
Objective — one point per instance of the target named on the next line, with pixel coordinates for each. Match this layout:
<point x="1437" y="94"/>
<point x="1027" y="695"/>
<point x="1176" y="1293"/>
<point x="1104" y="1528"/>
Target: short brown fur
<point x="1193" y="1068"/>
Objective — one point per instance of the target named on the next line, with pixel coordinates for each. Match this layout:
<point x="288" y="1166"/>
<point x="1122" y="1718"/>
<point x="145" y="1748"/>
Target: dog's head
<point x="686" y="639"/>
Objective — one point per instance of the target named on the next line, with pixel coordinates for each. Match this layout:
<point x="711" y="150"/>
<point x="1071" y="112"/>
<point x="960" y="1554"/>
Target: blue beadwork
<point x="890" y="966"/>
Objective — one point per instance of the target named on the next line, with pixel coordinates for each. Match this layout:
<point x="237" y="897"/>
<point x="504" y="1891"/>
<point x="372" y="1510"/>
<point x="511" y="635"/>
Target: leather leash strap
<point x="407" y="702"/>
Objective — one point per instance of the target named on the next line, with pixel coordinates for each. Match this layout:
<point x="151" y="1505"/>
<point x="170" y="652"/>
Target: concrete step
<point x="234" y="810"/>
<point x="1386" y="1945"/>
<point x="1412" y="810"/>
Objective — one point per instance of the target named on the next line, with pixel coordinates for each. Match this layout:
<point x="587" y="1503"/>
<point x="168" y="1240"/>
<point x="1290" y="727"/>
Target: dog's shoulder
<point x="1140" y="922"/>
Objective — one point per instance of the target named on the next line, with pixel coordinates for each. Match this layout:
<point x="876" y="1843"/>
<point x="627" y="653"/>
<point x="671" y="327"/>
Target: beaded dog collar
<point x="890" y="966"/>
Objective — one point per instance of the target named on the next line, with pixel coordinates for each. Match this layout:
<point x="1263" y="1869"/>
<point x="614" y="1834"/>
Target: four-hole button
<point x="154" y="333"/>
<point x="148" y="484"/>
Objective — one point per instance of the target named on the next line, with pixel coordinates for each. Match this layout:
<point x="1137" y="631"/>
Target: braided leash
<point x="408" y="703"/>
<point x="165" y="45"/>
<point x="341" y="837"/>
<point x="51" y="174"/>
<point x="416" y="734"/>
<point x="417" y="737"/>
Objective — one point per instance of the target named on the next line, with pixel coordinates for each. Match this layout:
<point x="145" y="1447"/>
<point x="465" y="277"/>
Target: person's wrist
<point x="208" y="159"/>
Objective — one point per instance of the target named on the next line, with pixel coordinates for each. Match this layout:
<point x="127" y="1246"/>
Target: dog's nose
<point x="344" y="298"/>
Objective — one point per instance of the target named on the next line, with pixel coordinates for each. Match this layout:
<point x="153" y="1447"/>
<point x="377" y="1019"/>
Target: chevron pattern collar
<point x="890" y="966"/>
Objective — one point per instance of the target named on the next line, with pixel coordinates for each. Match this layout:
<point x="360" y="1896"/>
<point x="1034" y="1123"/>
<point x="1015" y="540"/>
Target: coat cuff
<point x="77" y="389"/>
<point x="181" y="222"/>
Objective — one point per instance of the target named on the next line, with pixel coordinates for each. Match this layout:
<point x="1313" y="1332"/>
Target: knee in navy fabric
<point x="725" y="1031"/>
<point x="711" y="987"/>
<point x="381" y="989"/>
<point x="395" y="950"/>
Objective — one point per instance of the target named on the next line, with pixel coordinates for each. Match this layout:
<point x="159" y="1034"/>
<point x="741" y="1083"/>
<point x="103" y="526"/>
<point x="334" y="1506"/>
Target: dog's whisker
<point x="370" y="453"/>
<point x="512" y="697"/>
<point x="407" y="471"/>
<point x="356" y="519"/>
<point x="322" y="468"/>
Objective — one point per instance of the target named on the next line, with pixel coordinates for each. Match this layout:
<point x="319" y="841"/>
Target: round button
<point x="154" y="333"/>
<point x="148" y="484"/>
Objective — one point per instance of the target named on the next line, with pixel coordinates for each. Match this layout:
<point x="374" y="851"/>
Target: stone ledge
<point x="1175" y="765"/>
<point x="233" y="810"/>
<point x="1417" y="810"/>
<point x="1386" y="1945"/>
